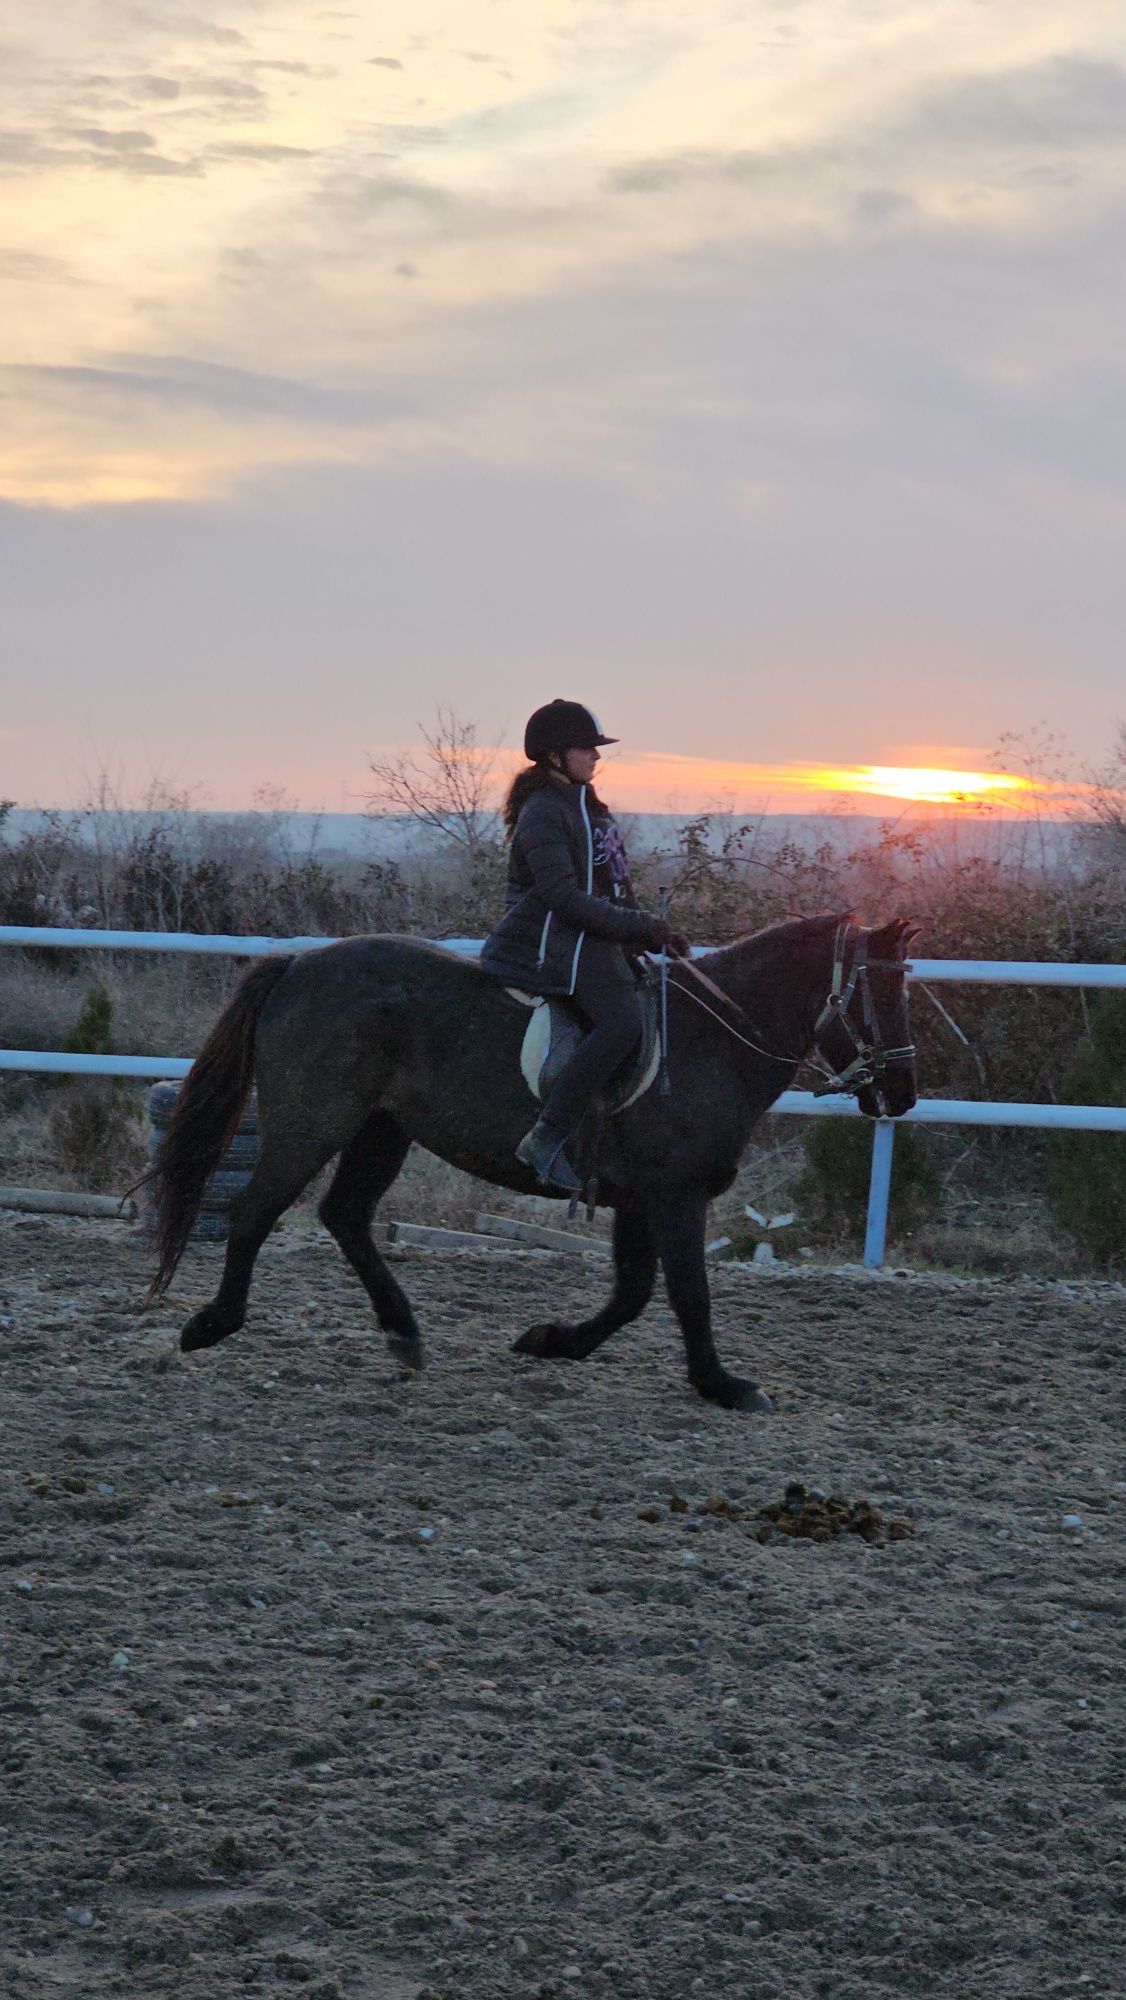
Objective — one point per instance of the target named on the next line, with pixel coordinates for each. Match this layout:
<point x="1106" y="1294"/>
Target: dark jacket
<point x="551" y="906"/>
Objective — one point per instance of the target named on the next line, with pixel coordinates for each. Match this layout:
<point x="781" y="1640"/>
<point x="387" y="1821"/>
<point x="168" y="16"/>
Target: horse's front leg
<point x="635" y="1270"/>
<point x="680" y="1230"/>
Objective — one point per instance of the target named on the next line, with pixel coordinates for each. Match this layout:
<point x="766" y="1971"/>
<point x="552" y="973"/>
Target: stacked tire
<point x="232" y="1173"/>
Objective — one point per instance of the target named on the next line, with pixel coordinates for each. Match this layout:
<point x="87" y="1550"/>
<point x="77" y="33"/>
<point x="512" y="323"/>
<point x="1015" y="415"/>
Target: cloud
<point x="1069" y="100"/>
<point x="112" y="142"/>
<point x="257" y="149"/>
<point x="171" y="380"/>
<point x="228" y="91"/>
<point x="127" y="153"/>
<point x="353" y="196"/>
<point x="96" y="86"/>
<point x="170" y="24"/>
<point x="385" y="62"/>
<point x="964" y="125"/>
<point x="291" y="68"/>
<point x="406" y="136"/>
<point x="161" y="87"/>
<point x="35" y="266"/>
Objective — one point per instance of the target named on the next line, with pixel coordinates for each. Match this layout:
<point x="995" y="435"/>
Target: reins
<point x="728" y="1002"/>
<point x="871" y="1058"/>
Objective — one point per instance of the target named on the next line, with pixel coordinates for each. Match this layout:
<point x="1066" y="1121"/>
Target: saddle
<point x="555" y="1031"/>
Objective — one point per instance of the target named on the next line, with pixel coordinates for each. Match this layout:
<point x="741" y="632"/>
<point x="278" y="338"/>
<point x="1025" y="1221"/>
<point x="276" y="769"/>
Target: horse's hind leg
<point x="283" y="1170"/>
<point x="368" y="1165"/>
<point x="635" y="1268"/>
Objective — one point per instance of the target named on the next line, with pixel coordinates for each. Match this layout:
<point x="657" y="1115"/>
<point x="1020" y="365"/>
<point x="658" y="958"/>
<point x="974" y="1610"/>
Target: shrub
<point x="834" y="1185"/>
<point x="97" y="1135"/>
<point x="94" y="1127"/>
<point x="92" y="1033"/>
<point x="1087" y="1174"/>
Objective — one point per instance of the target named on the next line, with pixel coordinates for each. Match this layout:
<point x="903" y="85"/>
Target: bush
<point x="838" y="1154"/>
<point x="1087" y="1175"/>
<point x="97" y="1135"/>
<point x="92" y="1033"/>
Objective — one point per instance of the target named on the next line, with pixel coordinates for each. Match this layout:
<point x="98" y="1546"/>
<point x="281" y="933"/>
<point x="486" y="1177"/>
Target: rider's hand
<point x="666" y="939"/>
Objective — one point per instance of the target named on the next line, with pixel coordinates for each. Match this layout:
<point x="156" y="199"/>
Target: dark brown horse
<point x="367" y="1046"/>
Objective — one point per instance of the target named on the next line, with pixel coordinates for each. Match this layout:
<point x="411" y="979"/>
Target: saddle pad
<point x="554" y="1033"/>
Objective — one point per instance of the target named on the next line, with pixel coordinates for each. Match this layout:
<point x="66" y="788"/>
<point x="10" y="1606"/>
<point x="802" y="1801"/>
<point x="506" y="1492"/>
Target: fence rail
<point x="796" y="1103"/>
<point x="979" y="971"/>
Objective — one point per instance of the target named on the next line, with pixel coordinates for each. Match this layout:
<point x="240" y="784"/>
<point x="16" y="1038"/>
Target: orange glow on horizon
<point x="928" y="784"/>
<point x="650" y="782"/>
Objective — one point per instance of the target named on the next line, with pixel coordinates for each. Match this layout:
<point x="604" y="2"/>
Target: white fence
<point x="928" y="1111"/>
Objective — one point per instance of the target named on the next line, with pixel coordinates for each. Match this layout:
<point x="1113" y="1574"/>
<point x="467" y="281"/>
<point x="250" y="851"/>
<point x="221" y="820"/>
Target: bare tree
<point x="447" y="786"/>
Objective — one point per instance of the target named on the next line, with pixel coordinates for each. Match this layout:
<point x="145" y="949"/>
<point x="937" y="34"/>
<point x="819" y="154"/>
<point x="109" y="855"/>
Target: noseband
<point x="870" y="1058"/>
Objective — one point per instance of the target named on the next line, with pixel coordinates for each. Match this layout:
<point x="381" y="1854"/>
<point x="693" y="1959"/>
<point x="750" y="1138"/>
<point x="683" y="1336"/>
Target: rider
<point x="571" y="918"/>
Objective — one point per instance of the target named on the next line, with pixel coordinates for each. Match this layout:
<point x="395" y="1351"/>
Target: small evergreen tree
<point x="92" y="1033"/>
<point x="1087" y="1177"/>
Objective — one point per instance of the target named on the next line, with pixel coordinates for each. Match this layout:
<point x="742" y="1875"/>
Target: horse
<point x="362" y="1048"/>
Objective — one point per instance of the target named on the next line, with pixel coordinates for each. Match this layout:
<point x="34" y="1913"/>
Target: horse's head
<point x="862" y="1035"/>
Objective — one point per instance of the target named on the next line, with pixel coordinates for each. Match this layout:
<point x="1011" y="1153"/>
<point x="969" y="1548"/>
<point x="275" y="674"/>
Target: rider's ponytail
<point x="531" y="779"/>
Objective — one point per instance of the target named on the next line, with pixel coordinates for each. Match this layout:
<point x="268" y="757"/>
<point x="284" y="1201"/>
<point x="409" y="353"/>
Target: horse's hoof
<point x="542" y="1341"/>
<point x="732" y="1393"/>
<point x="205" y="1329"/>
<point x="408" y="1353"/>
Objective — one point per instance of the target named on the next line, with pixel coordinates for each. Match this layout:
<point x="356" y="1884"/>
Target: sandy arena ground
<point x="317" y="1678"/>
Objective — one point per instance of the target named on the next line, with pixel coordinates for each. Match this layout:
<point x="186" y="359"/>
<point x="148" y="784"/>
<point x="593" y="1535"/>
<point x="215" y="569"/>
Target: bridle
<point x="870" y="1058"/>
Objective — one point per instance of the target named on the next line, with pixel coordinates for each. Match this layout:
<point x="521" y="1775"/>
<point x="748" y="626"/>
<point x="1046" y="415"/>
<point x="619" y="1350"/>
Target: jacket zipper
<point x="589" y="887"/>
<point x="589" y="882"/>
<point x="589" y="840"/>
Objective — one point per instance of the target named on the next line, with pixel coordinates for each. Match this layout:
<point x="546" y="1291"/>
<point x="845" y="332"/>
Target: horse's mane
<point x="760" y="947"/>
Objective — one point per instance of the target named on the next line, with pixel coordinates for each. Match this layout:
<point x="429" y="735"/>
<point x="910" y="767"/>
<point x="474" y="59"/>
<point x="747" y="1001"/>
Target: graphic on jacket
<point x="611" y="866"/>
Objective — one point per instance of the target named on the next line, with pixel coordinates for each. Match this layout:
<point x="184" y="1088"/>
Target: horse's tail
<point x="206" y="1116"/>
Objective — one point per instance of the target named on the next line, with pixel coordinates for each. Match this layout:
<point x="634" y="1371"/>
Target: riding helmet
<point x="563" y="725"/>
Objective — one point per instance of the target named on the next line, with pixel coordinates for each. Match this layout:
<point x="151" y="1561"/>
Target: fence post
<point x="879" y="1190"/>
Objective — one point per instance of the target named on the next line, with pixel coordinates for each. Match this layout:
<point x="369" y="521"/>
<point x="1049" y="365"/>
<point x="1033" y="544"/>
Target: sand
<point x="318" y="1678"/>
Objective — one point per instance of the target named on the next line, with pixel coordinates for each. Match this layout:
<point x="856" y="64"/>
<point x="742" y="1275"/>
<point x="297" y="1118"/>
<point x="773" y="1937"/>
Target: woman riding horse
<point x="570" y="921"/>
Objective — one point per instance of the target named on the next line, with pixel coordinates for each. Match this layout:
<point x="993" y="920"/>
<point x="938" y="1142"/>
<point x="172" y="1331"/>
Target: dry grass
<point x="161" y="1006"/>
<point x="71" y="1135"/>
<point x="1020" y="1248"/>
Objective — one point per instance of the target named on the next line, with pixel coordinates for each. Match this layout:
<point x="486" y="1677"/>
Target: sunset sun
<point x="928" y="784"/>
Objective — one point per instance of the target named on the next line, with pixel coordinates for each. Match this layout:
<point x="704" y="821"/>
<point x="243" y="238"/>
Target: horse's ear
<point x="894" y="939"/>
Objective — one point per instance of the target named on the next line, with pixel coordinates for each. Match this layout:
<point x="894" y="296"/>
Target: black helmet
<point x="563" y="725"/>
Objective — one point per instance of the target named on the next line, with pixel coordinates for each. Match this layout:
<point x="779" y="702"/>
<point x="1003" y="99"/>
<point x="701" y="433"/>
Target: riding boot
<point x="542" y="1149"/>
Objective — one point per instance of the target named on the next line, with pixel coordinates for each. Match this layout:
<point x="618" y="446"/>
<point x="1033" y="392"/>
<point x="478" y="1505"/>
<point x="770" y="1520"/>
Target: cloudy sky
<point x="751" y="371"/>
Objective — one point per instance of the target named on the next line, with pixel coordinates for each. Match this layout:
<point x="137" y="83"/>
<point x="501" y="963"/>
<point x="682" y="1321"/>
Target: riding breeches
<point x="606" y="993"/>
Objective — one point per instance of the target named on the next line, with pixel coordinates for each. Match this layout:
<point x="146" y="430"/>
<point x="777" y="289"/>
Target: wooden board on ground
<point x="421" y="1236"/>
<point x="67" y="1201"/>
<point x="537" y="1236"/>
